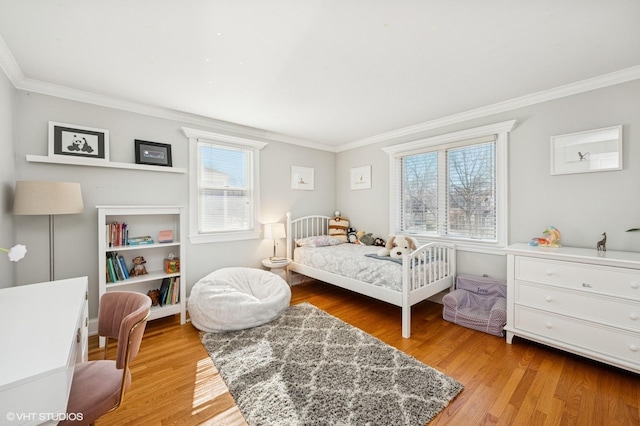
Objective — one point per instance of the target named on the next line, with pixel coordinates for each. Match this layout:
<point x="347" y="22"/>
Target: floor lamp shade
<point x="47" y="198"/>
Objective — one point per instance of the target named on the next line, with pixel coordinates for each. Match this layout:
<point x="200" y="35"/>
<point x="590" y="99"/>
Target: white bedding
<point x="349" y="260"/>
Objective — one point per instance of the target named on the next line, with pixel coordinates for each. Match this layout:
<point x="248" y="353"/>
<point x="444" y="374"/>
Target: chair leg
<point x="106" y="346"/>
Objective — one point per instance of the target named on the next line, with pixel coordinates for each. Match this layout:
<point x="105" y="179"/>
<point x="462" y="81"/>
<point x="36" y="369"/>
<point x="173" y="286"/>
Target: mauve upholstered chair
<point x="98" y="387"/>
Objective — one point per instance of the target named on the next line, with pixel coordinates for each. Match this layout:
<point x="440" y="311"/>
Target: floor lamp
<point x="47" y="198"/>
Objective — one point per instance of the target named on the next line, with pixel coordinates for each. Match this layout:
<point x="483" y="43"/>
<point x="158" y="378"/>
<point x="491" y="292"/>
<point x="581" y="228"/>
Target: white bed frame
<point x="418" y="284"/>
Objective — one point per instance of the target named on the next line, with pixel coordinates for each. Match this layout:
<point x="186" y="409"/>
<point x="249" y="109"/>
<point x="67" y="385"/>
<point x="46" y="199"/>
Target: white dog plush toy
<point x="398" y="245"/>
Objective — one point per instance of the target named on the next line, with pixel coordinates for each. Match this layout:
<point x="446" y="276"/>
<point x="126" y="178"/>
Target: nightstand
<point x="278" y="267"/>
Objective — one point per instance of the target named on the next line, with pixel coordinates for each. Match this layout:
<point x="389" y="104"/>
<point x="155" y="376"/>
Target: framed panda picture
<point x="78" y="141"/>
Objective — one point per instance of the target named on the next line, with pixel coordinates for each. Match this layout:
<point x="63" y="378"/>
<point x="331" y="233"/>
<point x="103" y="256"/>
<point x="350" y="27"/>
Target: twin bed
<point x="426" y="271"/>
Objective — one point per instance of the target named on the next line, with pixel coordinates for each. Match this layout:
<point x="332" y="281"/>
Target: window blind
<point x="448" y="190"/>
<point x="225" y="191"/>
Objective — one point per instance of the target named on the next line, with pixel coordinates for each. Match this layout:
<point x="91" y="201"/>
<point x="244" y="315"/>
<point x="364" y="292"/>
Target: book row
<point x="117" y="234"/>
<point x="168" y="294"/>
<point x="116" y="268"/>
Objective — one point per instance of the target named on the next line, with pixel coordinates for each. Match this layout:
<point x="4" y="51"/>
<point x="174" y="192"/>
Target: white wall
<point x="7" y="178"/>
<point x="581" y="206"/>
<point x="76" y="235"/>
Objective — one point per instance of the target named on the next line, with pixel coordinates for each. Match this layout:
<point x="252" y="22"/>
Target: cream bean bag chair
<point x="237" y="298"/>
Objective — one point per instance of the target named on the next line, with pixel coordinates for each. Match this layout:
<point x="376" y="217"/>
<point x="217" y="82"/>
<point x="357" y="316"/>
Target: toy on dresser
<point x="551" y="238"/>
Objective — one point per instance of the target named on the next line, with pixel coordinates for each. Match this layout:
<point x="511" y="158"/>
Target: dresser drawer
<point x="613" y="311"/>
<point x="586" y="337"/>
<point x="594" y="278"/>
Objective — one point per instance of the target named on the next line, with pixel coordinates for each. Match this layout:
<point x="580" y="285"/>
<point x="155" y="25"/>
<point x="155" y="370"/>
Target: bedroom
<point x="582" y="206"/>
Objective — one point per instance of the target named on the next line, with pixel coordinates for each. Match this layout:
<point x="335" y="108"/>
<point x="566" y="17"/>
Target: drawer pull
<point x="549" y="272"/>
<point x="548" y="299"/>
<point x="586" y="285"/>
<point x="548" y="325"/>
<point x="634" y="348"/>
<point x="633" y="316"/>
<point x="635" y="285"/>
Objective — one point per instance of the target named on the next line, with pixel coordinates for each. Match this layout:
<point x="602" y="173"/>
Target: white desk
<point x="43" y="333"/>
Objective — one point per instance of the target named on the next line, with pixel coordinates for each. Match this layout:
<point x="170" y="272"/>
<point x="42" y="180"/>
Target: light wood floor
<point x="175" y="382"/>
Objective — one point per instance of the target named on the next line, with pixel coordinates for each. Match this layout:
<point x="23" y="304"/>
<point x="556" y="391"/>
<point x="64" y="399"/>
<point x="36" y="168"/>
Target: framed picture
<point x="360" y="177"/>
<point x="302" y="178"/>
<point x="153" y="153"/>
<point x="78" y="141"/>
<point x="588" y="151"/>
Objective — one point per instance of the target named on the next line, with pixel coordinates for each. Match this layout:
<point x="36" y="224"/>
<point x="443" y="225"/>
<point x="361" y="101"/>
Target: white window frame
<point x="195" y="135"/>
<point x="450" y="140"/>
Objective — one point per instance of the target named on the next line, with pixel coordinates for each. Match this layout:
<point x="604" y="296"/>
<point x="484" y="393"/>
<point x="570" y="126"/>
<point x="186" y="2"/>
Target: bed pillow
<point x="318" y="241"/>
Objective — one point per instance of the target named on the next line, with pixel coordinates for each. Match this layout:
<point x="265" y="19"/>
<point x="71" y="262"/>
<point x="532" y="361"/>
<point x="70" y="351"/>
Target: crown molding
<point x="611" y="79"/>
<point x="21" y="82"/>
<point x="9" y="65"/>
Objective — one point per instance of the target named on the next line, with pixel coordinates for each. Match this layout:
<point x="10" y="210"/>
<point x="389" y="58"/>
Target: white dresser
<point x="44" y="334"/>
<point x="579" y="300"/>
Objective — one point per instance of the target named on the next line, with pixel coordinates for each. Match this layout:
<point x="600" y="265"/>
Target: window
<point x="453" y="187"/>
<point x="224" y="191"/>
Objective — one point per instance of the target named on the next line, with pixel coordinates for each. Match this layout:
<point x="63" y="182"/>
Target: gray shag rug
<point x="308" y="367"/>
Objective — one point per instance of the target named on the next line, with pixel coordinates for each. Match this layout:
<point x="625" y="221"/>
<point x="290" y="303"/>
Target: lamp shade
<point x="274" y="231"/>
<point x="47" y="198"/>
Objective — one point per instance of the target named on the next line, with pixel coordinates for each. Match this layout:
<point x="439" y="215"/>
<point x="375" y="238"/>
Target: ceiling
<point x="329" y="72"/>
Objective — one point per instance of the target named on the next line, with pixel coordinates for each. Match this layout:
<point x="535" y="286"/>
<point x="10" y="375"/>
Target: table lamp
<point x="47" y="198"/>
<point x="274" y="231"/>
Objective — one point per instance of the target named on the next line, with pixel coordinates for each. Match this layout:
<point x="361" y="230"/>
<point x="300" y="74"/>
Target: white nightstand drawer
<point x="585" y="336"/>
<point x="613" y="311"/>
<point x="601" y="279"/>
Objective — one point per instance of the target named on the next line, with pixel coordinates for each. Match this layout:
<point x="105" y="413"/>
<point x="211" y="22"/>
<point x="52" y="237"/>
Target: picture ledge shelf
<point x="72" y="161"/>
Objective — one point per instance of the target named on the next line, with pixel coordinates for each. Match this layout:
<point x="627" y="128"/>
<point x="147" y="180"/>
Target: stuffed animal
<point x="351" y="235"/>
<point x="138" y="267"/>
<point x="155" y="297"/>
<point x="397" y="246"/>
<point x="379" y="242"/>
<point x="366" y="239"/>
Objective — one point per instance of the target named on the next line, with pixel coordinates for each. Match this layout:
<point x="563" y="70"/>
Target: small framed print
<point x="360" y="177"/>
<point x="302" y="178"/>
<point x="153" y="153"/>
<point x="588" y="151"/>
<point x="78" y="141"/>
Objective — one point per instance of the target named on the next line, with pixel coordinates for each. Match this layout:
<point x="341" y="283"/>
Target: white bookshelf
<point x="144" y="220"/>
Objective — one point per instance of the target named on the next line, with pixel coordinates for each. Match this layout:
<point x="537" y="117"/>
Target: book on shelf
<point x="111" y="271"/>
<point x="146" y="239"/>
<point x="278" y="259"/>
<point x="164" y="288"/>
<point x="169" y="291"/>
<point x="116" y="268"/>
<point x="116" y="234"/>
<point x="165" y="236"/>
<point x="176" y="291"/>
<point x="124" y="267"/>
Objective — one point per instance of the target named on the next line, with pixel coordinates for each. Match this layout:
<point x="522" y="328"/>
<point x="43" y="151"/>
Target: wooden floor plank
<point x="175" y="382"/>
